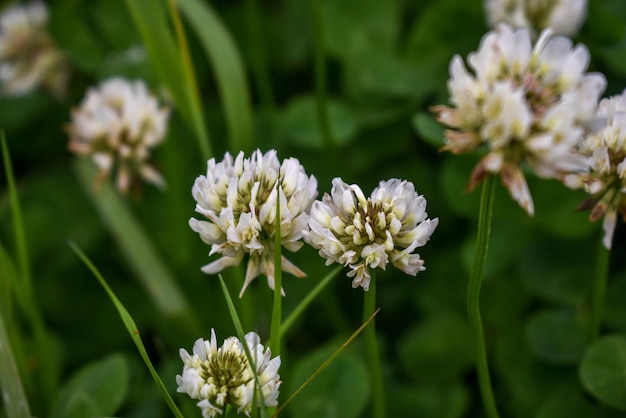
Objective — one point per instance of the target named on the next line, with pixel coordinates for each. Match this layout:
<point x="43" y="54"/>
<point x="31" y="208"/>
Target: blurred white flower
<point x="605" y="179"/>
<point x="28" y="56"/>
<point x="239" y="200"/>
<point x="117" y="124"/>
<point x="218" y="376"/>
<point x="363" y="233"/>
<point x="564" y="17"/>
<point x="525" y="104"/>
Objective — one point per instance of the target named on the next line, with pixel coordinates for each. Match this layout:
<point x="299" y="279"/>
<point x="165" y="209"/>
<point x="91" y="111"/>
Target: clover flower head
<point x="239" y="199"/>
<point x="117" y="124"/>
<point x="565" y="17"/>
<point x="605" y="178"/>
<point x="219" y="376"/>
<point x="28" y="56"/>
<point x="524" y="104"/>
<point x="363" y="233"/>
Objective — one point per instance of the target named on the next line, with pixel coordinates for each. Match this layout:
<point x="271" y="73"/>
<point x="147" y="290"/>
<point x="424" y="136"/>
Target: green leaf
<point x="437" y="349"/>
<point x="564" y="283"/>
<point x="340" y="391"/>
<point x="558" y="336"/>
<point x="299" y="123"/>
<point x="366" y="26"/>
<point x="97" y="389"/>
<point x="228" y="70"/>
<point x="430" y="401"/>
<point x="603" y="371"/>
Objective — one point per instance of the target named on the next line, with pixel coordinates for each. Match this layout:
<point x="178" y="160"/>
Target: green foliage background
<point x="387" y="63"/>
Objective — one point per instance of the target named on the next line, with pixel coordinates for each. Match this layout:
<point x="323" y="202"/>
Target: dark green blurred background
<point x="387" y="63"/>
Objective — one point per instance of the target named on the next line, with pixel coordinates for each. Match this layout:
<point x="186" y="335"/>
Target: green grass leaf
<point x="13" y="397"/>
<point x="97" y="389"/>
<point x="228" y="69"/>
<point x="340" y="391"/>
<point x="169" y="64"/>
<point x="131" y="327"/>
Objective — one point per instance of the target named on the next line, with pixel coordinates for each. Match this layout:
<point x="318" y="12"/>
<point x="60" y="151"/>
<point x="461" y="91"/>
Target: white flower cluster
<point x="239" y="199"/>
<point x="605" y="179"/>
<point x="117" y="125"/>
<point x="527" y="104"/>
<point x="565" y="17"/>
<point x="28" y="56"/>
<point x="365" y="233"/>
<point x="219" y="376"/>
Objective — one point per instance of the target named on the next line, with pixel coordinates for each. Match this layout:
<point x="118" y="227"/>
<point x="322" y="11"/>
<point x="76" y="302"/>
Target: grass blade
<point x="171" y="64"/>
<point x="135" y="246"/>
<point x="328" y="361"/>
<point x="304" y="303"/>
<point x="228" y="70"/>
<point x="24" y="288"/>
<point x="131" y="327"/>
<point x="13" y="396"/>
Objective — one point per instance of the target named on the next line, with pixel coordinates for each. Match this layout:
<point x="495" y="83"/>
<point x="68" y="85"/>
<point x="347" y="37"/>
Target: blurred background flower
<point x="564" y="17"/>
<point x="117" y="124"/>
<point x="606" y="178"/>
<point x="29" y="57"/>
<point x="526" y="104"/>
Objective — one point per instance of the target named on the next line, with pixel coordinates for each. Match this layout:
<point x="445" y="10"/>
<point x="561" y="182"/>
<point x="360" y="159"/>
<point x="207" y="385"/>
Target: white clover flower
<point x="523" y="104"/>
<point x="218" y="376"/>
<point x="28" y="56"/>
<point x="363" y="233"/>
<point x="564" y="17"/>
<point x="239" y="200"/>
<point x="117" y="124"/>
<point x="605" y="178"/>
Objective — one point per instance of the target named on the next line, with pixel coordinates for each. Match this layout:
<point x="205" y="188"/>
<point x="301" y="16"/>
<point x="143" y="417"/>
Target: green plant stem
<point x="277" y="313"/>
<point x="473" y="294"/>
<point x="371" y="351"/>
<point x="319" y="45"/>
<point x="599" y="290"/>
<point x="260" y="69"/>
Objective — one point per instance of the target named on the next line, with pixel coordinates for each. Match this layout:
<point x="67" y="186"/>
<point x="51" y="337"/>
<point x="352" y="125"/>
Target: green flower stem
<point x="371" y="351"/>
<point x="319" y="40"/>
<point x="473" y="294"/>
<point x="599" y="290"/>
<point x="277" y="313"/>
